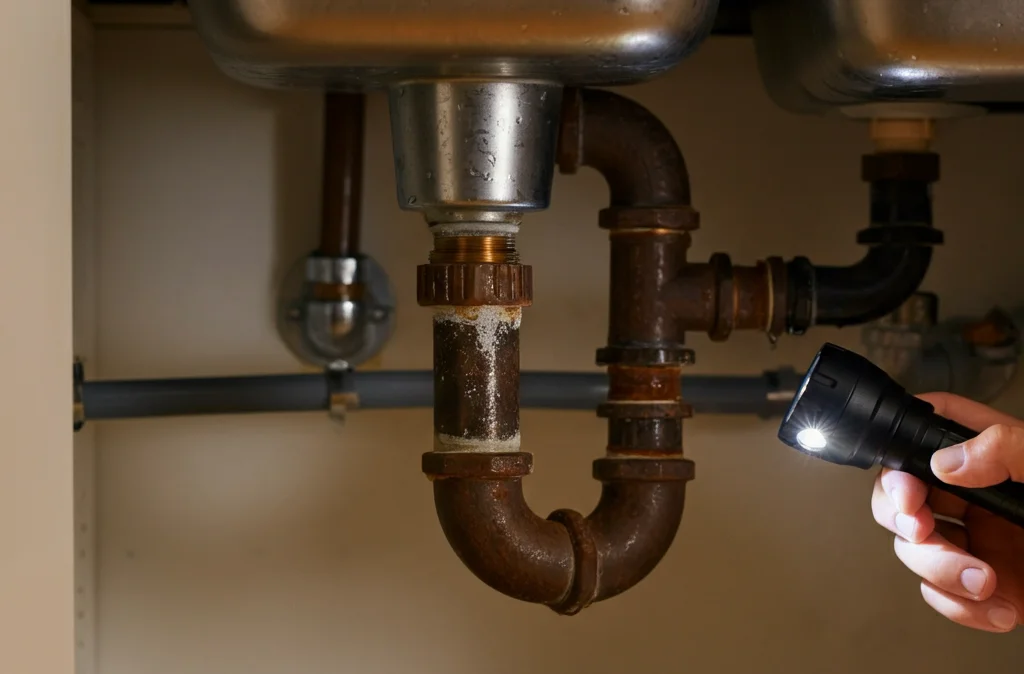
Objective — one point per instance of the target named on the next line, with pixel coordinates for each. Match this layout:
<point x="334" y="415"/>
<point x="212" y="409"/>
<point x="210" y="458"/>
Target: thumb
<point x="994" y="456"/>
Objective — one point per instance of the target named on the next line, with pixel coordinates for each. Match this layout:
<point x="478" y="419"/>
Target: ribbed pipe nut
<point x="474" y="284"/>
<point x="477" y="465"/>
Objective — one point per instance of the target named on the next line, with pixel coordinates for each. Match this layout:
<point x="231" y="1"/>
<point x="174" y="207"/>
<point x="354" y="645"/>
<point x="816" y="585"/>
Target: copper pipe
<point x="482" y="249"/>
<point x="344" y="123"/>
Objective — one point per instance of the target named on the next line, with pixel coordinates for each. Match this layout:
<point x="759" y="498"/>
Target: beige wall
<point x="284" y="543"/>
<point x="36" y="596"/>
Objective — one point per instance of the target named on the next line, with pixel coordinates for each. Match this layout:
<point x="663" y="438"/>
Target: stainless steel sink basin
<point x="362" y="44"/>
<point x="821" y="54"/>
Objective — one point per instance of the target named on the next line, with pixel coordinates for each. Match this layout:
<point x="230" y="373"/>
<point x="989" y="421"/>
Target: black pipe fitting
<point x="900" y="237"/>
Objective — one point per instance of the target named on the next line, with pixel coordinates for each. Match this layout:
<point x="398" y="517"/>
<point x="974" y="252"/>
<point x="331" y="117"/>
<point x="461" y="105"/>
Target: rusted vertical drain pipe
<point x="344" y="123"/>
<point x="477" y="287"/>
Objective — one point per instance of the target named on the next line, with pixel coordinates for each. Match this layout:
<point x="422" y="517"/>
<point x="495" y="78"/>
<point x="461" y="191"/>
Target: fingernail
<point x="948" y="460"/>
<point x="973" y="580"/>
<point x="906" y="525"/>
<point x="1003" y="618"/>
<point x="897" y="498"/>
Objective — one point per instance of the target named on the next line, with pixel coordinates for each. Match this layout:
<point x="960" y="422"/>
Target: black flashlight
<point x="850" y="412"/>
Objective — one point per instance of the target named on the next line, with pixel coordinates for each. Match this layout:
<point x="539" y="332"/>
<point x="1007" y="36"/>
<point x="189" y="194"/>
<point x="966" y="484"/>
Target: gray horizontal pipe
<point x="766" y="395"/>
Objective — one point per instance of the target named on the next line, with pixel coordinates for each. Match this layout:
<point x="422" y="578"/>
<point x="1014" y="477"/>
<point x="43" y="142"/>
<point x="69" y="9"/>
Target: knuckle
<point x="1004" y="445"/>
<point x="1001" y="437"/>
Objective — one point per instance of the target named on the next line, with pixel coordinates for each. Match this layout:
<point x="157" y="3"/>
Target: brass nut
<point x="467" y="284"/>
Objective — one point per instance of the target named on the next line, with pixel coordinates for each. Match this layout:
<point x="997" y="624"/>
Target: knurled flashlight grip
<point x="1005" y="499"/>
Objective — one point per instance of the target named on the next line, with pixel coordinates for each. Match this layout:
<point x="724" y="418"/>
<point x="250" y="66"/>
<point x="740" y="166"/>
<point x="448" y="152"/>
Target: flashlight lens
<point x="811" y="439"/>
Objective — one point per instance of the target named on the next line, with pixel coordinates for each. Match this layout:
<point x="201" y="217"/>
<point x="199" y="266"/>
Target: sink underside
<point x="815" y="56"/>
<point x="365" y="44"/>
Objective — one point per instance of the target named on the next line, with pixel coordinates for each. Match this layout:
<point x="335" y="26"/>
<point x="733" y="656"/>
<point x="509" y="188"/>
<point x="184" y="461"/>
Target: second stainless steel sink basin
<point x="822" y="54"/>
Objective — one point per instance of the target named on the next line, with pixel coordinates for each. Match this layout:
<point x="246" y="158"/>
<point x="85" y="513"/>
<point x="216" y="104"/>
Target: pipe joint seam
<point x="676" y="219"/>
<point x="645" y="356"/>
<point x="586" y="564"/>
<point x="635" y="469"/>
<point x="622" y="409"/>
<point x="477" y="465"/>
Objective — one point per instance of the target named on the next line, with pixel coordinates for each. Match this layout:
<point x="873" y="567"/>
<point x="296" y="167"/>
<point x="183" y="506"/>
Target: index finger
<point x="970" y="413"/>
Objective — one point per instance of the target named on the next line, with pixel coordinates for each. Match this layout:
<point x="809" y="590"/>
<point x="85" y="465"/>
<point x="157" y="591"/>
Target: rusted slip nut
<point x="440" y="465"/>
<point x="474" y="284"/>
<point x="650" y="410"/>
<point x="583" y="590"/>
<point x="675" y="218"/>
<point x="609" y="469"/>
<point x="644" y="356"/>
<point x="916" y="166"/>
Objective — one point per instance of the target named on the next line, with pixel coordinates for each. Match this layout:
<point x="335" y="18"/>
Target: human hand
<point x="972" y="574"/>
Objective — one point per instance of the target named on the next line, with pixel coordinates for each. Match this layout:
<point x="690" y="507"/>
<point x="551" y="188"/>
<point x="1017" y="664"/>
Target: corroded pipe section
<point x="476" y="379"/>
<point x="477" y="288"/>
<point x="719" y="298"/>
<point x="630" y="147"/>
<point x="568" y="561"/>
<point x="344" y="122"/>
<point x="779" y="297"/>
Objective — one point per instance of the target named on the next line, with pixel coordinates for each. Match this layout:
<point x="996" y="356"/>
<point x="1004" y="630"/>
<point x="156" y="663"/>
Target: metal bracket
<point x="342" y="395"/>
<point x="336" y="311"/>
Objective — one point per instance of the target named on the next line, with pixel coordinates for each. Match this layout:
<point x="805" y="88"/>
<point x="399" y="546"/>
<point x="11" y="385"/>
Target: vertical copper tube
<point x="344" y="124"/>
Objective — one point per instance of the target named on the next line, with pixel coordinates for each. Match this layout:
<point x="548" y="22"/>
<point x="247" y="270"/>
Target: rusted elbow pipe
<point x="776" y="297"/>
<point x="900" y="236"/>
<point x="568" y="561"/>
<point x="630" y="147"/>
